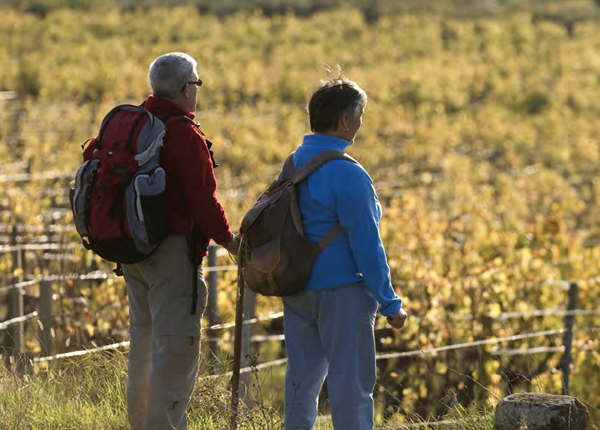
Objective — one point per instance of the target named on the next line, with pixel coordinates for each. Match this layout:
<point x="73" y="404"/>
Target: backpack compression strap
<point x="335" y="230"/>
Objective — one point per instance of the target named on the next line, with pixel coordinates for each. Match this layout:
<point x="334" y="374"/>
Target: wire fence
<point x="10" y="177"/>
<point x="432" y="351"/>
<point x="4" y="325"/>
<point x="213" y="268"/>
<point x="101" y="276"/>
<point x="381" y="356"/>
<point x="503" y="316"/>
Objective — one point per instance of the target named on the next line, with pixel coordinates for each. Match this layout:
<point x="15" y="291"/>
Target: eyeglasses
<point x="198" y="83"/>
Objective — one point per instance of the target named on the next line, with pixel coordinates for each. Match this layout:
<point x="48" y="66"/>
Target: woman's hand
<point x="398" y="319"/>
<point x="233" y="245"/>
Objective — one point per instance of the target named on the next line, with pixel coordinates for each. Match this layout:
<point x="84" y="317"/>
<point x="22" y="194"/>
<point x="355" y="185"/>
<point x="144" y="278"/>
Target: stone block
<point x="540" y="411"/>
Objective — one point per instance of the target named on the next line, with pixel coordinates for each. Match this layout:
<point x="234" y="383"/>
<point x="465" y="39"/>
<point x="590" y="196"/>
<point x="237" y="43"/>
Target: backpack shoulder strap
<point x="287" y="172"/>
<point x="298" y="174"/>
<point x="168" y="120"/>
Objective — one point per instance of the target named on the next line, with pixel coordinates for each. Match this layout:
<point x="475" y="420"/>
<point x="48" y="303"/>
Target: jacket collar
<point x="160" y="106"/>
<point x="324" y="141"/>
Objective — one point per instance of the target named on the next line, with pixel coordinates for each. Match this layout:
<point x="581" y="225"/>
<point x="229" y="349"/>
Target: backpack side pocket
<point x="80" y="203"/>
<point x="146" y="208"/>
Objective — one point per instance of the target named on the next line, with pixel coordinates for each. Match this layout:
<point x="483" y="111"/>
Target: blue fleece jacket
<point x="342" y="192"/>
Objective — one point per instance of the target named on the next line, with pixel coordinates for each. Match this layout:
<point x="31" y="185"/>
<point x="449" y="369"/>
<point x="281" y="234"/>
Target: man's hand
<point x="233" y="245"/>
<point x="398" y="319"/>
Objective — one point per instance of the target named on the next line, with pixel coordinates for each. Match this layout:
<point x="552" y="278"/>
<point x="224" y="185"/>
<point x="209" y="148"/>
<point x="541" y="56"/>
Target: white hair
<point x="170" y="72"/>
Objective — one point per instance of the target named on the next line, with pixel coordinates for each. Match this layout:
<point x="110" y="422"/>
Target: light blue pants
<point x="165" y="336"/>
<point x="330" y="333"/>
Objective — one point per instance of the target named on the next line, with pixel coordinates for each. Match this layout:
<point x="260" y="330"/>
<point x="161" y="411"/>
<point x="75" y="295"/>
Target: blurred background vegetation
<point x="372" y="9"/>
<point x="481" y="134"/>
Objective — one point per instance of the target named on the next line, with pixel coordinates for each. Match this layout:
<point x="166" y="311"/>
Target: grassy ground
<point x="90" y="394"/>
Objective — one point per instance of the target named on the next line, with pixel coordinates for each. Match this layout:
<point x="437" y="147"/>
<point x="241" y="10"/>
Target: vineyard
<point x="481" y="135"/>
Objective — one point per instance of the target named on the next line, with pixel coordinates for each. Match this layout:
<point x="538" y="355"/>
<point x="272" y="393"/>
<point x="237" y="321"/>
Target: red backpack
<point x="118" y="197"/>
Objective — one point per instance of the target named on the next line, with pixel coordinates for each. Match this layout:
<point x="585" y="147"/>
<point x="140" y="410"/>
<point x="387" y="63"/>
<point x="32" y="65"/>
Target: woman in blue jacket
<point x="329" y="326"/>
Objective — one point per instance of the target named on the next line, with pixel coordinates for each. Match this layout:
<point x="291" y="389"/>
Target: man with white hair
<point x="167" y="293"/>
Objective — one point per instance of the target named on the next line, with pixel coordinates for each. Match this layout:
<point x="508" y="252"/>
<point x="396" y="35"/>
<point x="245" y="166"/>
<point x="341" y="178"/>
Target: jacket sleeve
<point x="359" y="213"/>
<point x="198" y="176"/>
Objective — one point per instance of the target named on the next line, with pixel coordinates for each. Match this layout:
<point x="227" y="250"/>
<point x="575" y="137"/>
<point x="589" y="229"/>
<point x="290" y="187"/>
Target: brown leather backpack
<point x="275" y="258"/>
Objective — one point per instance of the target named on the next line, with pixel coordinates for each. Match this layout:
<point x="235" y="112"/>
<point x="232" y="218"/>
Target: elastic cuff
<point x="224" y="242"/>
<point x="391" y="308"/>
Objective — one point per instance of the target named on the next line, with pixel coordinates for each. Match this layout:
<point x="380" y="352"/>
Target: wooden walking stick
<point x="237" y="344"/>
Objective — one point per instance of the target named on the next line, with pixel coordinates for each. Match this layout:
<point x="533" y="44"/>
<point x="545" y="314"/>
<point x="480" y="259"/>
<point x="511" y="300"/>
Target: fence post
<point x="45" y="318"/>
<point x="212" y="307"/>
<point x="565" y="361"/>
<point x="249" y="313"/>
<point x="16" y="305"/>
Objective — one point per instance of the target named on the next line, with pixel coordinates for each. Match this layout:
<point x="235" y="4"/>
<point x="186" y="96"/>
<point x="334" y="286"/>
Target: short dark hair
<point x="332" y="99"/>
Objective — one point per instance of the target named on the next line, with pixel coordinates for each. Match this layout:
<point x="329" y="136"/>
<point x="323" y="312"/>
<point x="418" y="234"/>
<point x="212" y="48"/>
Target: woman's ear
<point x="343" y="122"/>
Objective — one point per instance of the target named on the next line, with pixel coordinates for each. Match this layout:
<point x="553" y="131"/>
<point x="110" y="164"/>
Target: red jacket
<point x="191" y="185"/>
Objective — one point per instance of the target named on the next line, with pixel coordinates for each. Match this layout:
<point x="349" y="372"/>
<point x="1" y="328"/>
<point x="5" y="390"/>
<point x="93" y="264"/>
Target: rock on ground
<point x="540" y="411"/>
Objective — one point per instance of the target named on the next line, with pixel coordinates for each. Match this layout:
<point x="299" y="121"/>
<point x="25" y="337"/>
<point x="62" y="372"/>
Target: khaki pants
<point x="165" y="336"/>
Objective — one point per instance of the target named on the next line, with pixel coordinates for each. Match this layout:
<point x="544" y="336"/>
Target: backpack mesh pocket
<point x="146" y="196"/>
<point x="80" y="196"/>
